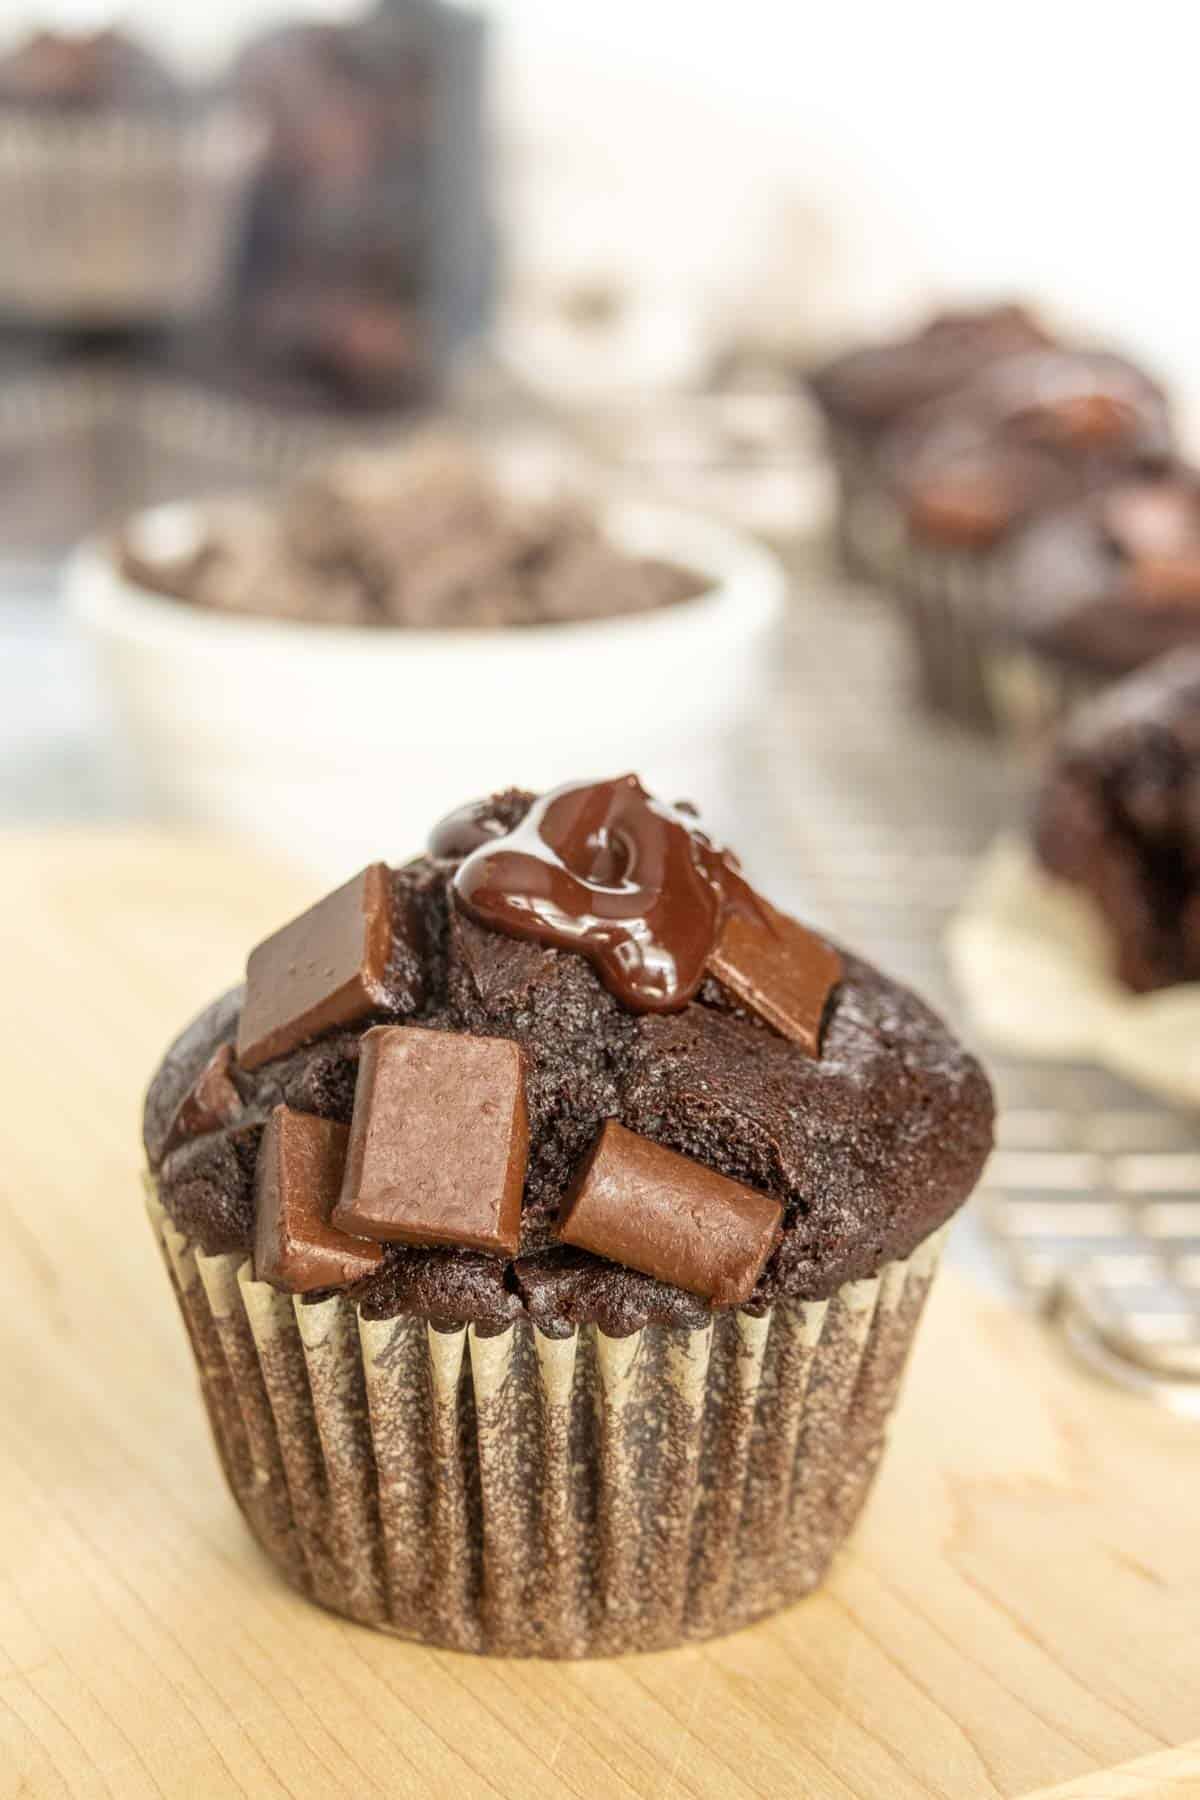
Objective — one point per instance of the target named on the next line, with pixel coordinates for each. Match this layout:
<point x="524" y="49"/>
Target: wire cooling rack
<point x="1091" y="1204"/>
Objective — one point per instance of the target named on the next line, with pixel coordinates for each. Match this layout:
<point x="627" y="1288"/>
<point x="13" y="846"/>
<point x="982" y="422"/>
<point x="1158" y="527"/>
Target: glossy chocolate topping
<point x="603" y="869"/>
<point x="464" y="830"/>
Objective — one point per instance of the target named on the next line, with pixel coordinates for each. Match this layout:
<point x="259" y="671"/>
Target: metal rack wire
<point x="1092" y="1200"/>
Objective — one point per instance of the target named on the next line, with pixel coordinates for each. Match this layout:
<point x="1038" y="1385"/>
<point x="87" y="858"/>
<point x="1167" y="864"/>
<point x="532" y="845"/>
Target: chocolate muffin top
<point x="872" y="387"/>
<point x="1112" y="581"/>
<point x="1027" y="433"/>
<point x="568" y="1065"/>
<point x="91" y="71"/>
<point x="1118" y="816"/>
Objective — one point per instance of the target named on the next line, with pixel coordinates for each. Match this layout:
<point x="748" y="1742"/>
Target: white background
<point x="845" y="156"/>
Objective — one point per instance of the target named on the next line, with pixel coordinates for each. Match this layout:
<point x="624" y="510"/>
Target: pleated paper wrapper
<point x="520" y="1494"/>
<point x="118" y="218"/>
<point x="949" y="597"/>
<point x="973" y="669"/>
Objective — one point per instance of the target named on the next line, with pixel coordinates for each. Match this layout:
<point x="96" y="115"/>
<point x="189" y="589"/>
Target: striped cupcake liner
<point x="1031" y="694"/>
<point x="951" y="601"/>
<point x="869" y="529"/>
<point x="119" y="220"/>
<point x="519" y="1494"/>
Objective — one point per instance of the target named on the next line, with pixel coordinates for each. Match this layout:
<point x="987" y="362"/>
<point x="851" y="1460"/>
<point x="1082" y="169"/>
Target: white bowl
<point x="334" y="745"/>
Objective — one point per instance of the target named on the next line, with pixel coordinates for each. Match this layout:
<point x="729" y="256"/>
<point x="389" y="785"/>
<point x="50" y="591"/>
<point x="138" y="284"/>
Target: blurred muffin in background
<point x="961" y="476"/>
<point x="120" y="188"/>
<point x="369" y="253"/>
<point x="54" y="71"/>
<point x="865" y="392"/>
<point x="1080" y="941"/>
<point x="1094" y="591"/>
<point x="1118" y="819"/>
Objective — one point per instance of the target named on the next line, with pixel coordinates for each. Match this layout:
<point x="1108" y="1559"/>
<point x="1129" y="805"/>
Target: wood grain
<point x="1019" y="1613"/>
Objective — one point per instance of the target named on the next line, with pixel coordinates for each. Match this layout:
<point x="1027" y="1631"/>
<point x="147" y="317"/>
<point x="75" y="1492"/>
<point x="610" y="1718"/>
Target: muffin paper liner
<point x="192" y="438"/>
<point x="1034" y="961"/>
<point x="120" y="219"/>
<point x="520" y="1494"/>
<point x="869" y="529"/>
<point x="951" y="600"/>
<point x="1030" y="694"/>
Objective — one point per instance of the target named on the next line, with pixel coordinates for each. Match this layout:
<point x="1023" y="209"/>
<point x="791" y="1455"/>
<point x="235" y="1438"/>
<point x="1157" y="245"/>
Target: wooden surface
<point x="1019" y="1613"/>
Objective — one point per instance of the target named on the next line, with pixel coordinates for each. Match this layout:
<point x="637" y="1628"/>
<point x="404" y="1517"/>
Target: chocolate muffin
<point x="369" y="256"/>
<point x="1118" y="818"/>
<point x="963" y="475"/>
<point x="551" y="1218"/>
<point x="120" y="187"/>
<point x="91" y="71"/>
<point x="1094" y="591"/>
<point x="865" y="392"/>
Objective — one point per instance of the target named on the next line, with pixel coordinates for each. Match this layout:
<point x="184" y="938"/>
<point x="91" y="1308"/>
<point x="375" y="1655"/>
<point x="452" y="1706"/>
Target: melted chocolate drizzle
<point x="603" y="869"/>
<point x="463" y="831"/>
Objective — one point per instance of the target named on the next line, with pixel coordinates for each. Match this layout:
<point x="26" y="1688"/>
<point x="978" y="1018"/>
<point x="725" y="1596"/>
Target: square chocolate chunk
<point x="439" y="1141"/>
<point x="298" y="1178"/>
<point x="327" y="968"/>
<point x="778" y="970"/>
<point x="639" y="1204"/>
<point x="209" y="1103"/>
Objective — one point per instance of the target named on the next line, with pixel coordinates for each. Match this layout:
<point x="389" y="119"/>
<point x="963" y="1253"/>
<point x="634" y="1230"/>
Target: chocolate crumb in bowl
<point x="424" y="537"/>
<point x="566" y="1252"/>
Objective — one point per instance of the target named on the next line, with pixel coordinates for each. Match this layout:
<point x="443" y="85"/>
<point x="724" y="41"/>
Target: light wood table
<point x="1018" y="1614"/>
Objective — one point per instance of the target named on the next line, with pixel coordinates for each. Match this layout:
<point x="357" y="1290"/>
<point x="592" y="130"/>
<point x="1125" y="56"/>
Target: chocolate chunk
<point x="636" y="1203"/>
<point x="299" y="1175"/>
<point x="327" y="968"/>
<point x="1156" y="528"/>
<point x="210" y="1102"/>
<point x="779" y="971"/>
<point x="1152" y="518"/>
<point x="439" y="1141"/>
<point x="968" y="505"/>
<point x="181" y="1067"/>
